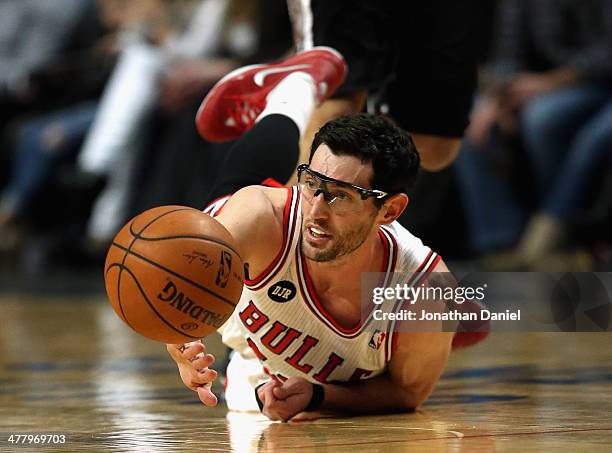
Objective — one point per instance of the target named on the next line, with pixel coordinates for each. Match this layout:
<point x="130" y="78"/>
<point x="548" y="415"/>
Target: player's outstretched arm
<point x="414" y="370"/>
<point x="253" y="216"/>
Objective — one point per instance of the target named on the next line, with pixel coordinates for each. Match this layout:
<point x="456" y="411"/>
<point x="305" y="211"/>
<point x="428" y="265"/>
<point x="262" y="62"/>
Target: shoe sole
<point x="213" y="95"/>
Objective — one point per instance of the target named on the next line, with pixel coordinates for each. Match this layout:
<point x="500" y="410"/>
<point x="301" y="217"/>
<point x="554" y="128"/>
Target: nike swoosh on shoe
<point x="261" y="75"/>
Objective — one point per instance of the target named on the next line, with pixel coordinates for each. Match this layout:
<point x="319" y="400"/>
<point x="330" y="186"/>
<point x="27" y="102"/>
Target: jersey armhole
<point x="215" y="207"/>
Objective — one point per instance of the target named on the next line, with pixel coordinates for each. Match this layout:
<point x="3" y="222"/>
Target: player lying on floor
<point x="299" y="342"/>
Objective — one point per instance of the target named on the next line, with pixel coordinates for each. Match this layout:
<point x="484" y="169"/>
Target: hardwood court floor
<point x="71" y="367"/>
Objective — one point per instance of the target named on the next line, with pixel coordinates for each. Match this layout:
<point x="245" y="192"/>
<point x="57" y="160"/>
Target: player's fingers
<point x="269" y="397"/>
<point x="278" y="411"/>
<point x="272" y="416"/>
<point x="202" y="361"/>
<point x="193" y="350"/>
<point x="261" y="395"/>
<point x="261" y="390"/>
<point x="183" y="347"/>
<point x="283" y="415"/>
<point x="194" y="344"/>
<point x="195" y="378"/>
<point x="174" y="350"/>
<point x="205" y="376"/>
<point x="207" y="397"/>
<point x="281" y="392"/>
<point x="202" y="355"/>
<point x="270" y="412"/>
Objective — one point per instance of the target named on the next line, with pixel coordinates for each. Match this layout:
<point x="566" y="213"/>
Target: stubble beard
<point x="342" y="246"/>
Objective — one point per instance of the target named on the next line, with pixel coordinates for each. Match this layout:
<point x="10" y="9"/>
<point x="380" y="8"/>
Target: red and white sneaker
<point x="234" y="103"/>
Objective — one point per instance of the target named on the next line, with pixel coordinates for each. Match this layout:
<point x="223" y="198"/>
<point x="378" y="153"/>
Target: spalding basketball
<point x="172" y="274"/>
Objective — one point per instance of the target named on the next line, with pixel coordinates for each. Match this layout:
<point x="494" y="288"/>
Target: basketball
<point x="172" y="275"/>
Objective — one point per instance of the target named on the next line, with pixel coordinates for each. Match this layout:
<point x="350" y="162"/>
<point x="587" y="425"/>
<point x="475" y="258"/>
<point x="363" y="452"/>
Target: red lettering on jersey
<point x="307" y="344"/>
<point x="256" y="350"/>
<point x="333" y="362"/>
<point x="360" y="373"/>
<point x="253" y="318"/>
<point x="275" y="331"/>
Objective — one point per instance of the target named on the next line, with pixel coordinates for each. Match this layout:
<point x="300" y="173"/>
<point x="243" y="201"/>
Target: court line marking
<point x="465" y="436"/>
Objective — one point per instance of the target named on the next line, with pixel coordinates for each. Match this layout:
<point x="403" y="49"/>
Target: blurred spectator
<point x="170" y="80"/>
<point x="60" y="42"/>
<point x="42" y="42"/>
<point x="549" y="84"/>
<point x="137" y="144"/>
<point x="46" y="142"/>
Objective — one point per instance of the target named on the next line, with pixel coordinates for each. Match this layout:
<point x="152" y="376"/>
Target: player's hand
<point x="282" y="401"/>
<point x="193" y="363"/>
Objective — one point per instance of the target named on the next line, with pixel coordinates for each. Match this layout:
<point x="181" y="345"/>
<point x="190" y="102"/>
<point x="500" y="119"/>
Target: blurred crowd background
<point x="98" y="100"/>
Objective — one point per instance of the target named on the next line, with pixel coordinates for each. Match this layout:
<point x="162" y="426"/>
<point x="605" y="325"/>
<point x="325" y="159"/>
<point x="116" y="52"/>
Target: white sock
<point x="294" y="97"/>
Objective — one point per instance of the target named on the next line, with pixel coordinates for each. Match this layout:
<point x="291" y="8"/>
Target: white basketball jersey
<point x="280" y="322"/>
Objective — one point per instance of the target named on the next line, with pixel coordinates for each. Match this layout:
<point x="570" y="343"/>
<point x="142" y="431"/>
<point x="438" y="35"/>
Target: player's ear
<point x="393" y="208"/>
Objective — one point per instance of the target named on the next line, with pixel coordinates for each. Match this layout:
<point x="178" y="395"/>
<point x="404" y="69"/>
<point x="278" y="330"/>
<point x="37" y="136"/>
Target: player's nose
<point x="319" y="208"/>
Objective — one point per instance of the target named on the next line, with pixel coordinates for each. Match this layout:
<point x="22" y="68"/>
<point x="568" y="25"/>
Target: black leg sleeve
<point x="269" y="150"/>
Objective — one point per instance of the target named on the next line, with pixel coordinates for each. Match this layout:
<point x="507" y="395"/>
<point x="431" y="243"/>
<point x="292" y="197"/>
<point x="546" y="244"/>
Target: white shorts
<point x="241" y="378"/>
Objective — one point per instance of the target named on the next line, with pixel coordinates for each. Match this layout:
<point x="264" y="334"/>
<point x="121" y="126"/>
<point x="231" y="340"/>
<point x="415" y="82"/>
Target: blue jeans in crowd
<point x="567" y="136"/>
<point x="494" y="215"/>
<point x="37" y="156"/>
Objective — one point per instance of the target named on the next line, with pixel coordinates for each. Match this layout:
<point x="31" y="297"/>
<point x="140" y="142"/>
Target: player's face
<point x="329" y="233"/>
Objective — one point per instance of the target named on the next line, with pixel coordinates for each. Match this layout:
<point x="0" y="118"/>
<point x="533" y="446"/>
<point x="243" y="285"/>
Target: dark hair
<point x="375" y="139"/>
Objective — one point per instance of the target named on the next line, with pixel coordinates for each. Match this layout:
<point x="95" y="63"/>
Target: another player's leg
<point x="269" y="151"/>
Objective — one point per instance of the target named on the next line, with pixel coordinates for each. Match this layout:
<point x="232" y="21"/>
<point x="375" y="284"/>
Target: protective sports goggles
<point x="342" y="197"/>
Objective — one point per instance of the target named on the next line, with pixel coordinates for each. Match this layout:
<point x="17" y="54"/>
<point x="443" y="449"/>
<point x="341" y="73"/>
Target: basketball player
<point x="299" y="342"/>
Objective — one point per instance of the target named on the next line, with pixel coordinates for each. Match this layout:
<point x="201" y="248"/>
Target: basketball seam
<point x="127" y="269"/>
<point x="134" y="239"/>
<point x="187" y="236"/>
<point x="159" y="217"/>
<point x="197" y="285"/>
<point x="121" y="266"/>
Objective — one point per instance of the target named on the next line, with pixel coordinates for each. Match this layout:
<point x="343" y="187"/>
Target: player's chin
<point x="315" y="252"/>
